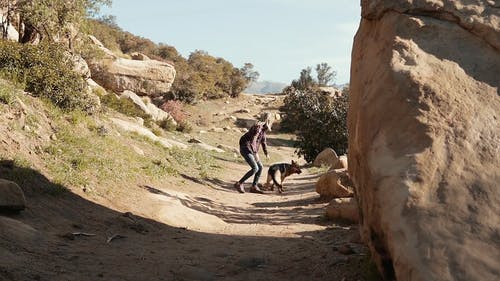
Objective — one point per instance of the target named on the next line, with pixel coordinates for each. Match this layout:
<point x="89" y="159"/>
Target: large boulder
<point x="424" y="137"/>
<point x="11" y="196"/>
<point x="334" y="184"/>
<point x="144" y="77"/>
<point x="327" y="157"/>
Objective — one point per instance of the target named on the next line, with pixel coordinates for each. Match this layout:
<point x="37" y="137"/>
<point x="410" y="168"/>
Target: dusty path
<point x="186" y="231"/>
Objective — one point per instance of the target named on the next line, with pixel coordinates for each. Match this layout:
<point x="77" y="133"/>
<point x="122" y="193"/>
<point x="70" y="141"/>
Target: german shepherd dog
<point x="285" y="170"/>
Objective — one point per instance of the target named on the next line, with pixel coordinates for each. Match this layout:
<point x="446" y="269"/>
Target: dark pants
<point x="254" y="164"/>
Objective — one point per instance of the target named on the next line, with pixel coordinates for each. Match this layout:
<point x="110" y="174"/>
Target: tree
<point x="248" y="73"/>
<point x="52" y="20"/>
<point x="320" y="121"/>
<point x="305" y="80"/>
<point x="325" y="75"/>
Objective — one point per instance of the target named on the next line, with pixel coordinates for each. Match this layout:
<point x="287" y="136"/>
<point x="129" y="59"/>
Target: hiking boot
<point x="256" y="189"/>
<point x="239" y="187"/>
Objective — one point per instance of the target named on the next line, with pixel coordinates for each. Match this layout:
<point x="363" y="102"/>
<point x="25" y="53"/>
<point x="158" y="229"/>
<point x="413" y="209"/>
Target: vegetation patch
<point x="45" y="71"/>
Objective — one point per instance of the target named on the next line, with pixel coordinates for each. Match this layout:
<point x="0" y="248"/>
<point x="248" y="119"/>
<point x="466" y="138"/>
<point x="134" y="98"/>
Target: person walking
<point x="249" y="148"/>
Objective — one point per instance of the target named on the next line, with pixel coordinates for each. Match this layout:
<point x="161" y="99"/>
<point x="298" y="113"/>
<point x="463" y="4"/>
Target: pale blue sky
<point x="280" y="37"/>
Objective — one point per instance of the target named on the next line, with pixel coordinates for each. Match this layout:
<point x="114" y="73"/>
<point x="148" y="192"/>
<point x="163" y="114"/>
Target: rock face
<point x="334" y="184"/>
<point x="424" y="137"/>
<point x="11" y="196"/>
<point x="144" y="77"/>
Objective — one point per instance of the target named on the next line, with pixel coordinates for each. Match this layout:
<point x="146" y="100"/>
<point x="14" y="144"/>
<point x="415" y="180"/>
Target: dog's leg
<point x="282" y="178"/>
<point x="268" y="181"/>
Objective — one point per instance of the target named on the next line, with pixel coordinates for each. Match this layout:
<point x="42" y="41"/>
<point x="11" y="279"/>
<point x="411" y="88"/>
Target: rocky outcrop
<point x="327" y="157"/>
<point x="79" y="65"/>
<point x="11" y="32"/>
<point x="424" y="137"/>
<point x="334" y="184"/>
<point x="144" y="77"/>
<point x="342" y="164"/>
<point x="148" y="107"/>
<point x="11" y="196"/>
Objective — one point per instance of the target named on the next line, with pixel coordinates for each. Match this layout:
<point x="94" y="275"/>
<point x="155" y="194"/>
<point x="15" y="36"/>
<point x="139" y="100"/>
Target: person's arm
<point x="264" y="145"/>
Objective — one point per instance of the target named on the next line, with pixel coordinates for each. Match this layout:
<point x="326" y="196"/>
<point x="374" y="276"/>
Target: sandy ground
<point x="197" y="230"/>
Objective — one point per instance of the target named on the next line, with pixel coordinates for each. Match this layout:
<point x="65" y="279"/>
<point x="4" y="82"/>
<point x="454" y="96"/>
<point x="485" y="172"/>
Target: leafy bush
<point x="124" y="106"/>
<point x="185" y="127"/>
<point x="167" y="124"/>
<point x="46" y="72"/>
<point x="175" y="109"/>
<point x="7" y="93"/>
<point x="319" y="120"/>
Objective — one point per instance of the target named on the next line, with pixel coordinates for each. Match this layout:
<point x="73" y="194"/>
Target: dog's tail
<point x="273" y="176"/>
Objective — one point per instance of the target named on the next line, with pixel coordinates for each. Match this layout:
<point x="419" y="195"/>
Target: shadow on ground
<point x="63" y="236"/>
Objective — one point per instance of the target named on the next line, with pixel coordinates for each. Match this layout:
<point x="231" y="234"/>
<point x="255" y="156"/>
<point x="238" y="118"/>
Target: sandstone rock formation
<point x="144" y="77"/>
<point x="327" y="157"/>
<point x="11" y="196"/>
<point x="424" y="137"/>
<point x="343" y="208"/>
<point x="148" y="107"/>
<point x="342" y="164"/>
<point x="334" y="184"/>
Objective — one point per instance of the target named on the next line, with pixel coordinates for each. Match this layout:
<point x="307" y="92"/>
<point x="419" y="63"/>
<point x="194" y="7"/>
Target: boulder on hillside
<point x="79" y="65"/>
<point x="344" y="209"/>
<point x="342" y="164"/>
<point x="327" y="157"/>
<point x="12" y="33"/>
<point x="424" y="137"/>
<point x="148" y="107"/>
<point x="11" y="196"/>
<point x="334" y="184"/>
<point x="144" y="77"/>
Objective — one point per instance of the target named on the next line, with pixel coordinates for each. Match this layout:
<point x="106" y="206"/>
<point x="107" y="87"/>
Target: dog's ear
<point x="293" y="163"/>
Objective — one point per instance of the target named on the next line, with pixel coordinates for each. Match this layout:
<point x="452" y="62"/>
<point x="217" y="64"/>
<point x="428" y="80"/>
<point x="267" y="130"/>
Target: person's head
<point x="267" y="121"/>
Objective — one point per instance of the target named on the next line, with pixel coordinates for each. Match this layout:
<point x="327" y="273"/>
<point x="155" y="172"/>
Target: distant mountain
<point x="265" y="87"/>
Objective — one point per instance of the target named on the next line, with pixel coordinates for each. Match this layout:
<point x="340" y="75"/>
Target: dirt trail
<point x="180" y="229"/>
<point x="191" y="231"/>
<point x="271" y="236"/>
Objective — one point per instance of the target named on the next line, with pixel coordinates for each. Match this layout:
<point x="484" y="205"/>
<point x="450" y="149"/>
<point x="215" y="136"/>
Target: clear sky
<point x="279" y="37"/>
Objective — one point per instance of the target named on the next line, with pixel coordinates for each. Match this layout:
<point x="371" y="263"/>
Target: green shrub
<point x="320" y="121"/>
<point x="7" y="93"/>
<point x="124" y="106"/>
<point x="167" y="124"/>
<point x="184" y="126"/>
<point x="46" y="72"/>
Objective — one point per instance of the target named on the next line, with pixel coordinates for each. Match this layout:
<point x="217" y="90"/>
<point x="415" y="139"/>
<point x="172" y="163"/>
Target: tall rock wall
<point x="424" y="147"/>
